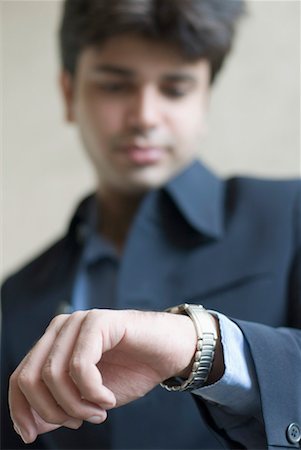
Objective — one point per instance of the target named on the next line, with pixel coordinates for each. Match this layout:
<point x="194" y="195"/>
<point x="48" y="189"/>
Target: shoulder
<point x="288" y="187"/>
<point x="270" y="208"/>
<point x="27" y="277"/>
<point x="273" y="194"/>
<point x="50" y="266"/>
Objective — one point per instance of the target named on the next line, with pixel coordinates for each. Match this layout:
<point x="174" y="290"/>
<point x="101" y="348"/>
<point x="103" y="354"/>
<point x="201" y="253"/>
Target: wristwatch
<point x="204" y="355"/>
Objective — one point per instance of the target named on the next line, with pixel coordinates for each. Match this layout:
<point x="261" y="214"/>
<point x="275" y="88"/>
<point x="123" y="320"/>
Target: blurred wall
<point x="254" y="123"/>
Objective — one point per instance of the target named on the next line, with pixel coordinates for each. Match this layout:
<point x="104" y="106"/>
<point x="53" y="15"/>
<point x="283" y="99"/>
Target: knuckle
<point x="25" y="380"/>
<point x="94" y="313"/>
<point x="78" y="314"/>
<point x="49" y="372"/>
<point x="77" y="365"/>
<point x="57" y="321"/>
<point x="13" y="379"/>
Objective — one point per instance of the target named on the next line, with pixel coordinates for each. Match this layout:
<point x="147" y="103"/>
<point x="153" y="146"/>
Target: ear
<point x="66" y="84"/>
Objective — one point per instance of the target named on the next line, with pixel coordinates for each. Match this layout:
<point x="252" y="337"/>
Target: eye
<point x="114" y="87"/>
<point x="175" y="91"/>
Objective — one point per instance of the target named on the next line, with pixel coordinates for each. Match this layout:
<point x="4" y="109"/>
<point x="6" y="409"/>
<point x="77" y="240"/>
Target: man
<point x="160" y="230"/>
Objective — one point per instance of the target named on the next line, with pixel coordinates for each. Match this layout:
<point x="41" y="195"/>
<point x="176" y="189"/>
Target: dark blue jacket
<point x="232" y="245"/>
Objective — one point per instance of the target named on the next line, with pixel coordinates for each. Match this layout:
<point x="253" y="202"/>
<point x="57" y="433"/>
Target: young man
<point x="160" y="230"/>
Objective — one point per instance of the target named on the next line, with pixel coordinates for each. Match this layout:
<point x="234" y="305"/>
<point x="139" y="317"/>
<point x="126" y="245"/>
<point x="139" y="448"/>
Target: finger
<point x="29" y="429"/>
<point x="27" y="390"/>
<point x="44" y="427"/>
<point x="30" y="379"/>
<point x="57" y="378"/>
<point x="21" y="414"/>
<point x="87" y="354"/>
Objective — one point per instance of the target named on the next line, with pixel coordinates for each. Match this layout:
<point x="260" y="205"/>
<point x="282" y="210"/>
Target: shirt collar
<point x="95" y="247"/>
<point x="199" y="195"/>
<point x="196" y="192"/>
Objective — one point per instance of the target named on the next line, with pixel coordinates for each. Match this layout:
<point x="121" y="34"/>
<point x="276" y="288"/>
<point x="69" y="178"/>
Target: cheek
<point x="110" y="118"/>
<point x="103" y="119"/>
<point x="197" y="119"/>
<point x="189" y="124"/>
<point x="190" y="117"/>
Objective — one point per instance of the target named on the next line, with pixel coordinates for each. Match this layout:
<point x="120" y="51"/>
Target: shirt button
<point x="293" y="433"/>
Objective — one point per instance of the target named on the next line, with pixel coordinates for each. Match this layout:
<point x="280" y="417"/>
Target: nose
<point x="144" y="111"/>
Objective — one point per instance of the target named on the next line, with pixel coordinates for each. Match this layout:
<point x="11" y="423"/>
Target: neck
<point x="117" y="213"/>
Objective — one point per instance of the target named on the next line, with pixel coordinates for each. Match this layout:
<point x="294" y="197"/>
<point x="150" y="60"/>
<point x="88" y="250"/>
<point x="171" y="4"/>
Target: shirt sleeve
<point x="234" y="401"/>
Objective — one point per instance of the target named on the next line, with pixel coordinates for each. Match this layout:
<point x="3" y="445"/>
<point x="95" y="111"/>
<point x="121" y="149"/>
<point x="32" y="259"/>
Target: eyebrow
<point x="180" y="77"/>
<point x="128" y="73"/>
<point x="113" y="70"/>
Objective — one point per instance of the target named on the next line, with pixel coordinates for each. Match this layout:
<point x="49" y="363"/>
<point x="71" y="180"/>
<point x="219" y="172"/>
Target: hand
<point x="91" y="361"/>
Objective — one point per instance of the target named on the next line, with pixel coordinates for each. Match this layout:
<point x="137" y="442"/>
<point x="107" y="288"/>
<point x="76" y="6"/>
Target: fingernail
<point x="95" y="419"/>
<point x="16" y="429"/>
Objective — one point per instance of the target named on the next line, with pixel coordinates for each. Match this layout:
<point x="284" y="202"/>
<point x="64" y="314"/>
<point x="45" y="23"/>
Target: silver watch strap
<point x="204" y="355"/>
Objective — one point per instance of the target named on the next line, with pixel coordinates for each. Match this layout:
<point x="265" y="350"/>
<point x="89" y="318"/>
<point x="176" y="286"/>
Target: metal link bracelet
<point x="204" y="355"/>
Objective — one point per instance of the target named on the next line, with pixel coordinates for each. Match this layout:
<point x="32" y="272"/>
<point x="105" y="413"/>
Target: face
<point x="141" y="111"/>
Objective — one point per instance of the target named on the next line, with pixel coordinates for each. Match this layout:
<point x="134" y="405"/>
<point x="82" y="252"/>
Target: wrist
<point x="218" y="367"/>
<point x="197" y="372"/>
<point x="189" y="349"/>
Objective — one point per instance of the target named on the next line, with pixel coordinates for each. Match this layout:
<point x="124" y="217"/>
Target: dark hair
<point x="198" y="28"/>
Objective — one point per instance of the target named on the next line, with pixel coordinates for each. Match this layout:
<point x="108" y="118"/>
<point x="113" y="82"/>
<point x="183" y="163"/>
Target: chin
<point x="149" y="178"/>
<point x="141" y="181"/>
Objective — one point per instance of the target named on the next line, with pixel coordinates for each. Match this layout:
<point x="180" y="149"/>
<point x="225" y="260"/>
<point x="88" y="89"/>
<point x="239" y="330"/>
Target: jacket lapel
<point x="47" y="294"/>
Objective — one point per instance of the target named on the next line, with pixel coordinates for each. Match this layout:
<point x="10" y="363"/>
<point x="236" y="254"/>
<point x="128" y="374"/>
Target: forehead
<point x="140" y="57"/>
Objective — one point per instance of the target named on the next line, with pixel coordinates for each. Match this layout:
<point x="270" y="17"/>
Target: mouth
<point x="143" y="155"/>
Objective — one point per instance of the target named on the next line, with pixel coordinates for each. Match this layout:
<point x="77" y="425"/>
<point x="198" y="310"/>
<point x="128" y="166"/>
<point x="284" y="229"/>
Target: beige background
<point x="254" y="124"/>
